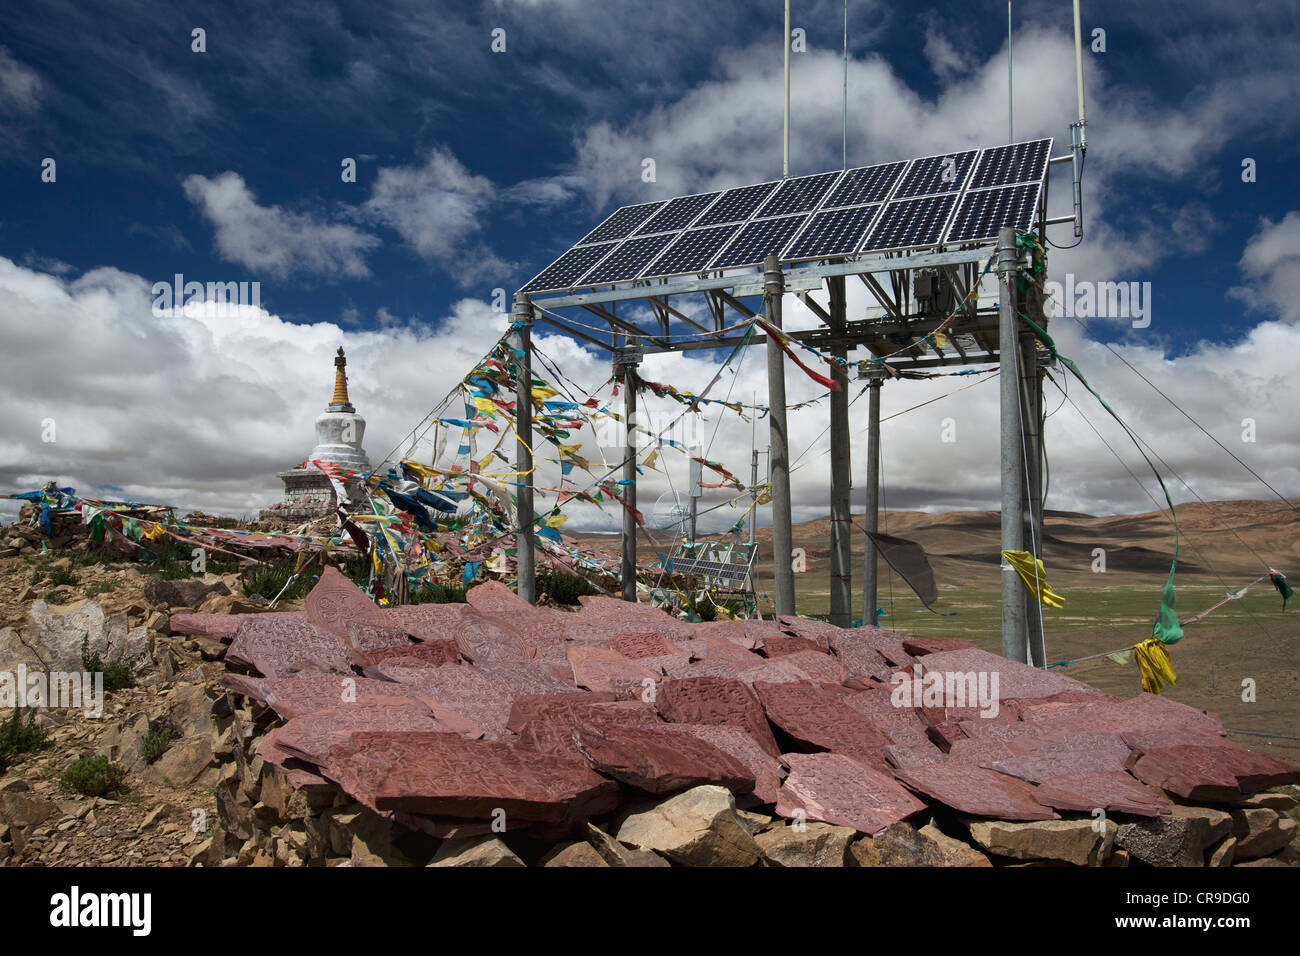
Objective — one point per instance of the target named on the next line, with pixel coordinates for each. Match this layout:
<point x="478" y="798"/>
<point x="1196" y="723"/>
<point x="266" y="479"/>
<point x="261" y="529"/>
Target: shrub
<point x="117" y="672"/>
<point x="567" y="588"/>
<point x="61" y="577"/>
<point x="93" y="776"/>
<point x="428" y="593"/>
<point x="155" y="743"/>
<point x="19" y="736"/>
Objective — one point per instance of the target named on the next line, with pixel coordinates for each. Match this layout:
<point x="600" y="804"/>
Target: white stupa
<point x="340" y="430"/>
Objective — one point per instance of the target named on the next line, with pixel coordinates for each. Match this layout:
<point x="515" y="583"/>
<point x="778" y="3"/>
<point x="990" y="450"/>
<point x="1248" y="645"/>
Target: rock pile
<point x="499" y="734"/>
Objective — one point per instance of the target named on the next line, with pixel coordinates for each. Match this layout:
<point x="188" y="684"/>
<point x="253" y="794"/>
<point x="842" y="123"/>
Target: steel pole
<point x="841" y="583"/>
<point x="1014" y="633"/>
<point x="525" y="560"/>
<point x="782" y="534"/>
<point x="628" y="567"/>
<point x="871" y="516"/>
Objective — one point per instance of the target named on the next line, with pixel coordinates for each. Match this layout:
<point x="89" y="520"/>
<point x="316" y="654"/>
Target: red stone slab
<point x="725" y="649"/>
<point x="310" y="737"/>
<point x="301" y="774"/>
<point x="335" y="600"/>
<point x="780" y="644"/>
<point x="640" y="644"/>
<point x="920" y="646"/>
<point x="481" y="696"/>
<point x="902" y="725"/>
<point x="837" y="789"/>
<point x="600" y="668"/>
<point x="284" y="646"/>
<point x="602" y="618"/>
<point x="820" y="720"/>
<point x="716" y="701"/>
<point x="658" y="761"/>
<point x="222" y="627"/>
<point x="253" y="688"/>
<point x="1112" y="791"/>
<point x="744" y="633"/>
<point x="536" y="626"/>
<point x="1172" y="736"/>
<point x="368" y="637"/>
<point x="493" y="597"/>
<point x="819" y="632"/>
<point x="1014" y="679"/>
<point x="435" y="653"/>
<point x="971" y="789"/>
<point x="756" y="629"/>
<point x="1146" y="713"/>
<point x="902" y="757"/>
<point x="859" y="656"/>
<point x="664" y="664"/>
<point x="307" y="693"/>
<point x="527" y="706"/>
<point x="816" y="666"/>
<point x="446" y="775"/>
<point x="428" y="622"/>
<point x="552" y="726"/>
<point x="766" y="769"/>
<point x="484" y="643"/>
<point x="894" y="654"/>
<point x="1215" y="774"/>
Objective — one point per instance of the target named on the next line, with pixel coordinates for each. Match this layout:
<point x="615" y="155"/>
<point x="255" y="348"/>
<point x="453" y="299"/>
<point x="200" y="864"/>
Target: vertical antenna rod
<point x="844" y="136"/>
<point x="1011" y="137"/>
<point x="785" y="163"/>
<point x="1078" y="135"/>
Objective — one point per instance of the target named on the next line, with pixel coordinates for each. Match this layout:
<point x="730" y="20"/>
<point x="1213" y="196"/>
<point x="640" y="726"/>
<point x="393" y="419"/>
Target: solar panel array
<point x="715" y="569"/>
<point x="951" y="198"/>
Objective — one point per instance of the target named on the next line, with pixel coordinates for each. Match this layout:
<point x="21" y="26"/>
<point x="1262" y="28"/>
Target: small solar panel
<point x="716" y="569"/>
<point x="838" y="232"/>
<point x="936" y="174"/>
<point x="759" y="239"/>
<point x="562" y="273"/>
<point x="693" y="250"/>
<point x="799" y="195"/>
<point x="867" y="184"/>
<point x="677" y="213"/>
<point x="906" y="223"/>
<point x="736" y="205"/>
<point x="628" y="260"/>
<point x="1008" y="165"/>
<point x="621" y="223"/>
<point x="983" y="212"/>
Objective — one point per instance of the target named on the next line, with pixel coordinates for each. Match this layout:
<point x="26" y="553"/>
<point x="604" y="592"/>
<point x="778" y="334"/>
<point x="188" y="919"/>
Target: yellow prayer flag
<point x="1034" y="575"/>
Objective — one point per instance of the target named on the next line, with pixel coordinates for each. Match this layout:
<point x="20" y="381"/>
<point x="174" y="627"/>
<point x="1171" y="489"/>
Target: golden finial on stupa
<point x="340" y="380"/>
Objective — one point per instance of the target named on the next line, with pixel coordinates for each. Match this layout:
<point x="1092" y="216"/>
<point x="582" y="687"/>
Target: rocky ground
<point x="211" y="800"/>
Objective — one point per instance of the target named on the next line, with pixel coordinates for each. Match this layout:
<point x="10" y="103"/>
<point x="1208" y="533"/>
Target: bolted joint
<point x="773" y="279"/>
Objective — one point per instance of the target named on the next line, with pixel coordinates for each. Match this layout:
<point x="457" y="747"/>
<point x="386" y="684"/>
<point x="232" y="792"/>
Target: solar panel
<point x="716" y="569"/>
<point x="562" y="273"/>
<point x="628" y="260"/>
<point x="799" y="195"/>
<point x="621" y="223"/>
<point x="837" y="232"/>
<point x="936" y="174"/>
<point x="984" y="211"/>
<point x="693" y="250"/>
<point x="736" y="205"/>
<point x="905" y="223"/>
<point x="867" y="184"/>
<point x="1008" y="165"/>
<point x="677" y="213"/>
<point x="759" y="239"/>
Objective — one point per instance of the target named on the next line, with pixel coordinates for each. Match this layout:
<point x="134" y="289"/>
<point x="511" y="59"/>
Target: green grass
<point x="93" y="777"/>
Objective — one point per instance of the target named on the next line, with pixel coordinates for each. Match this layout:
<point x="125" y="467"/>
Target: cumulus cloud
<point x="273" y="240"/>
<point x="1271" y="263"/>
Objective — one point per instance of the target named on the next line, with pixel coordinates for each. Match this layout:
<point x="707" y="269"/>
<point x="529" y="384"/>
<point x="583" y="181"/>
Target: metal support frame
<point x="871" y="515"/>
<point x="1015" y="639"/>
<point x="627" y="360"/>
<point x="1032" y="404"/>
<point x="782" y="533"/>
<point x="841" y="582"/>
<point x="525" y="558"/>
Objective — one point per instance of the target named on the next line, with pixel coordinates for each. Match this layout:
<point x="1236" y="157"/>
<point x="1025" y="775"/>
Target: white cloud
<point x="20" y="87"/>
<point x="275" y="241"/>
<point x="1271" y="262"/>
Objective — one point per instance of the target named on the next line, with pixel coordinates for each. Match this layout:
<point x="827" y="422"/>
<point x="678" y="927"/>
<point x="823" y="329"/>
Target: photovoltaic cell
<point x="621" y="223"/>
<point x="799" y="195"/>
<point x="1008" y="165"/>
<point x="838" y="232"/>
<point x="867" y="184"/>
<point x="562" y="273"/>
<point x="693" y="251"/>
<point x="736" y="205"/>
<point x="983" y="212"/>
<point x="936" y="174"/>
<point x="628" y="260"/>
<point x="677" y="213"/>
<point x="906" y="223"/>
<point x="759" y="239"/>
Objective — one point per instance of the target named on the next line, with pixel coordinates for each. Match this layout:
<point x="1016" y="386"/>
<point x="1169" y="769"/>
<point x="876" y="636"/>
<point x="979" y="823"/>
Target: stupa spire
<point x="340" y="380"/>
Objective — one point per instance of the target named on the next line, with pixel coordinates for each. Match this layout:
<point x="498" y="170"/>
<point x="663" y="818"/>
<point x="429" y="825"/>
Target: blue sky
<point x="475" y="168"/>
